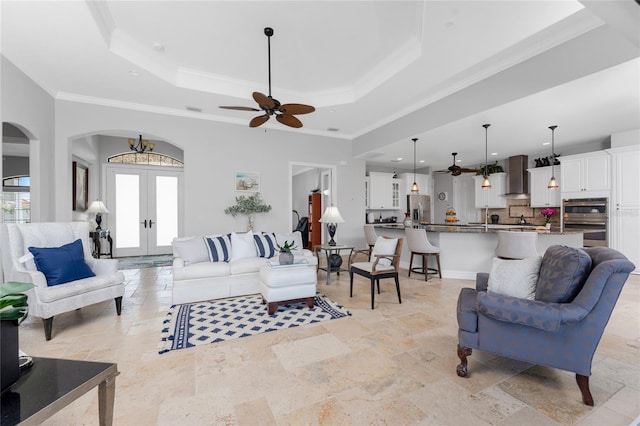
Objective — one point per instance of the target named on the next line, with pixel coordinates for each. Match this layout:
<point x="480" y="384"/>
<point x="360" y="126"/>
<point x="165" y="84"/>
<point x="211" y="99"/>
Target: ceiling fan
<point x="284" y="112"/>
<point x="457" y="170"/>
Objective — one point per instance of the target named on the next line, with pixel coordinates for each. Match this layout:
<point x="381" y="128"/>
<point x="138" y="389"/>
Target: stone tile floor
<point x="393" y="365"/>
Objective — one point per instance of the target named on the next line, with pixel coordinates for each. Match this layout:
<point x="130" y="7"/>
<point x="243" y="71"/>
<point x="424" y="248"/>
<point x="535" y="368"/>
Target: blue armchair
<point x="561" y="328"/>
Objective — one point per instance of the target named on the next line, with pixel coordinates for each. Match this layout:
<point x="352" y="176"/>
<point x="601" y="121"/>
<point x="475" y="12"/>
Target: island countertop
<point x="466" y="250"/>
<point x="480" y="229"/>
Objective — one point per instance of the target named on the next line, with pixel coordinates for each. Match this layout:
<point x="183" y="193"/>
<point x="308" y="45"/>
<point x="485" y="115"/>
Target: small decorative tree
<point x="248" y="205"/>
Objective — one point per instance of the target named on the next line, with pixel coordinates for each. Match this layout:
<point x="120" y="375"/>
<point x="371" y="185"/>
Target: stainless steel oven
<point x="589" y="215"/>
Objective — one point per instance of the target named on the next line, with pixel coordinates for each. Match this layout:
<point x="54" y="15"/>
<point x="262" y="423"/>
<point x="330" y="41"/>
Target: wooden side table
<point x="97" y="245"/>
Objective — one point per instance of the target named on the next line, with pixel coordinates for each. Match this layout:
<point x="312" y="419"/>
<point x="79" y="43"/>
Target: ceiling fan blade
<point x="264" y="101"/>
<point x="467" y="170"/>
<point x="240" y="108"/>
<point x="289" y="120"/>
<point x="295" y="109"/>
<point x="259" y="120"/>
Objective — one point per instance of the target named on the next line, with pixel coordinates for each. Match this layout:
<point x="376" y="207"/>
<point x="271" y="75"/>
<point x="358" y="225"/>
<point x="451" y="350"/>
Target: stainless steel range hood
<point x="518" y="188"/>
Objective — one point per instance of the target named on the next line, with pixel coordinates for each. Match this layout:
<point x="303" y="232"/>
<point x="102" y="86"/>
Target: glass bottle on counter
<point x="407" y="222"/>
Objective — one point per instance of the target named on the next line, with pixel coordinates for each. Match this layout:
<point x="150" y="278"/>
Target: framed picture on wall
<point x="80" y="186"/>
<point x="247" y="181"/>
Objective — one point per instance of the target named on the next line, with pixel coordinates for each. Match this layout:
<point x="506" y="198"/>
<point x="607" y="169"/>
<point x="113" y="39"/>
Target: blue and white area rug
<point x="218" y="320"/>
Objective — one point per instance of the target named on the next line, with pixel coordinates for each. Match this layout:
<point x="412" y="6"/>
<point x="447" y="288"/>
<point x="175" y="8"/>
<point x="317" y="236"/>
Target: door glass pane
<point x="166" y="209"/>
<point x="127" y="195"/>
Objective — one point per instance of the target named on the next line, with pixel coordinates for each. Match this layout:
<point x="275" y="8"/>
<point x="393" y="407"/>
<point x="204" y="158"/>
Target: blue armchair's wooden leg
<point x="583" y="384"/>
<point x="463" y="353"/>
<point x="118" y="305"/>
<point x="48" y="327"/>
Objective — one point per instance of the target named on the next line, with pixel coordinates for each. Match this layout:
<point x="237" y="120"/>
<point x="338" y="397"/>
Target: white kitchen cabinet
<point x="381" y="191"/>
<point x="624" y="207"/>
<point x="493" y="197"/>
<point x="585" y="175"/>
<point x="541" y="195"/>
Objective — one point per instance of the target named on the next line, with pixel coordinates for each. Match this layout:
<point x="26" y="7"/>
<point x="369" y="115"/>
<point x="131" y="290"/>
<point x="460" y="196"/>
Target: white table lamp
<point x="98" y="208"/>
<point x="331" y="217"/>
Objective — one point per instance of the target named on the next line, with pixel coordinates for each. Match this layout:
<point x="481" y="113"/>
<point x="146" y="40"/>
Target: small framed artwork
<point x="247" y="181"/>
<point x="80" y="186"/>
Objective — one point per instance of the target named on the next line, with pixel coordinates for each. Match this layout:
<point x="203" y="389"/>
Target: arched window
<point x="16" y="199"/>
<point x="146" y="158"/>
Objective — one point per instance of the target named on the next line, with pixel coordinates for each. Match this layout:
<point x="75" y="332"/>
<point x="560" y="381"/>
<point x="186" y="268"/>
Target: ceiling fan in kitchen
<point x="456" y="170"/>
<point x="285" y="113"/>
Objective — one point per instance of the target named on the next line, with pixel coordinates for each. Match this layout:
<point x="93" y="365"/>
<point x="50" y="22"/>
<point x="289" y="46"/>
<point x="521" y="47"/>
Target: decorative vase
<point x="286" y="258"/>
<point x="250" y="225"/>
<point x="407" y="222"/>
<point x="547" y="225"/>
<point x="9" y="358"/>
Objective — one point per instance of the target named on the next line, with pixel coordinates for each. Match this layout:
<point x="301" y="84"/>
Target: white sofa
<point x="197" y="278"/>
<point x="46" y="300"/>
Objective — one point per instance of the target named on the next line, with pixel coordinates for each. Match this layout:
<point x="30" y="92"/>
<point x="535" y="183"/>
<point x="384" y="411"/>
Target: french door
<point x="144" y="209"/>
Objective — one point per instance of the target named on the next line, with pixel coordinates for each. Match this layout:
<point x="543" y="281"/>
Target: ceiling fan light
<point x="553" y="183"/>
<point x="486" y="183"/>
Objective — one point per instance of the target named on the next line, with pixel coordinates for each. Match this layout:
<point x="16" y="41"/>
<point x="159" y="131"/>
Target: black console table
<point x="52" y="384"/>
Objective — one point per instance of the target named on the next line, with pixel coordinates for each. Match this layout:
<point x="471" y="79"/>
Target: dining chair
<point x="384" y="262"/>
<point x="370" y="235"/>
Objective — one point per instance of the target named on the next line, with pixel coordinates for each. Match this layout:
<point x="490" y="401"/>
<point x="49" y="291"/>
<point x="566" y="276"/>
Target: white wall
<point x="630" y="138"/>
<point x="213" y="152"/>
<point x="25" y="105"/>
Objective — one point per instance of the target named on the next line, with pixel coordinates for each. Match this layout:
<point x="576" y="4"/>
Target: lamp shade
<point x="97" y="206"/>
<point x="331" y="215"/>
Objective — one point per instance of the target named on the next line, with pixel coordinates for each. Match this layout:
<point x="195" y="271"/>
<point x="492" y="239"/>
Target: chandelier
<point x="141" y="145"/>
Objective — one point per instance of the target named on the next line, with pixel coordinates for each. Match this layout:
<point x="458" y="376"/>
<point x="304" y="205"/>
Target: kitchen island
<point x="468" y="249"/>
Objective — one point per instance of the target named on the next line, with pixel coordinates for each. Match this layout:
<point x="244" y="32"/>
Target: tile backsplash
<point x="516" y="208"/>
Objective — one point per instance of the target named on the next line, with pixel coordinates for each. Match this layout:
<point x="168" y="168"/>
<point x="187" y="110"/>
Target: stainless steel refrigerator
<point x="419" y="207"/>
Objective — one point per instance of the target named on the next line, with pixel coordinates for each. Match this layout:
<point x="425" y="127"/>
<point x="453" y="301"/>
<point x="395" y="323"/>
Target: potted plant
<point x="490" y="169"/>
<point x="248" y="205"/>
<point x="286" y="257"/>
<point x="13" y="310"/>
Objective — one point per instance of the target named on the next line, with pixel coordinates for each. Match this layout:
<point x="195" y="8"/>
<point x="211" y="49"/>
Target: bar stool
<point x="516" y="244"/>
<point x="370" y="235"/>
<point x="419" y="244"/>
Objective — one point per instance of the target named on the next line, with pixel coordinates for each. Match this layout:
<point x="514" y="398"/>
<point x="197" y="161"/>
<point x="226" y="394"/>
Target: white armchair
<point x="47" y="301"/>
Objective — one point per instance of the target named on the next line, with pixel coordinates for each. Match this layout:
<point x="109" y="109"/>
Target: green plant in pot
<point x="13" y="310"/>
<point x="248" y="205"/>
<point x="286" y="257"/>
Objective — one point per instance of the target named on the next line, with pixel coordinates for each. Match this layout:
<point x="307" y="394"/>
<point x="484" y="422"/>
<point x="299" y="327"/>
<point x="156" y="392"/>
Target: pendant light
<point x="553" y="183"/>
<point x="414" y="187"/>
<point x="486" y="183"/>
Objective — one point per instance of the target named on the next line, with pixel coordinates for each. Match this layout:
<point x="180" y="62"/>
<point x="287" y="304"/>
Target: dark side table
<point x="51" y="384"/>
<point x="96" y="236"/>
<point x="331" y="250"/>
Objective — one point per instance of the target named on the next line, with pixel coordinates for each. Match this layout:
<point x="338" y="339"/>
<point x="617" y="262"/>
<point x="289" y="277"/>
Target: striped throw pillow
<point x="219" y="248"/>
<point x="265" y="244"/>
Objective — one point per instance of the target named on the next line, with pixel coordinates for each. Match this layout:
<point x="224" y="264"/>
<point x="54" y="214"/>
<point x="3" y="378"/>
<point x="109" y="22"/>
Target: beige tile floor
<point x="393" y="365"/>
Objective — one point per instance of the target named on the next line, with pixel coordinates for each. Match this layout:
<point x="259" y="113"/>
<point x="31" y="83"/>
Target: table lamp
<point x="98" y="208"/>
<point x="331" y="217"/>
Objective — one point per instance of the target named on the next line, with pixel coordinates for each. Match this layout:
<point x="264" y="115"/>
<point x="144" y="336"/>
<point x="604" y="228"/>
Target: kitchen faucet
<point x="522" y="221"/>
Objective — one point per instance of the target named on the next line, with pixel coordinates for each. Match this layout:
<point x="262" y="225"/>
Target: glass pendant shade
<point x="414" y="187"/>
<point x="553" y="183"/>
<point x="486" y="183"/>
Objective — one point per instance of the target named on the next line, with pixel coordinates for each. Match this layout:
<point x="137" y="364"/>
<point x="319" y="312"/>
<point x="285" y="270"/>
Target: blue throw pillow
<point x="265" y="244"/>
<point x="61" y="264"/>
<point x="219" y="248"/>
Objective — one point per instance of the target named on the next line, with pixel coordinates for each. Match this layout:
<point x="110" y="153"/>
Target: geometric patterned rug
<point x="213" y="321"/>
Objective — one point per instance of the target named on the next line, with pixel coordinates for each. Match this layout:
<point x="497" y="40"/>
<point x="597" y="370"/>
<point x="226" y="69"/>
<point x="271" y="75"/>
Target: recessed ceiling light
<point x="134" y="73"/>
<point x="458" y="161"/>
<point x="192" y="108"/>
<point x="332" y="129"/>
<point x="421" y="161"/>
<point x="546" y="143"/>
<point x="332" y="110"/>
<point x="494" y="153"/>
<point x="158" y="46"/>
<point x="399" y="159"/>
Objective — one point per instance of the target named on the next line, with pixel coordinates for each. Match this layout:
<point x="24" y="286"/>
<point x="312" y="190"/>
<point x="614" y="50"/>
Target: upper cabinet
<point x="585" y="175"/>
<point x="493" y="197"/>
<point x="384" y="191"/>
<point x="541" y="195"/>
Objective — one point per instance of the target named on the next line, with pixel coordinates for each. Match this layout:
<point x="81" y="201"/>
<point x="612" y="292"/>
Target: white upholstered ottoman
<point x="287" y="285"/>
